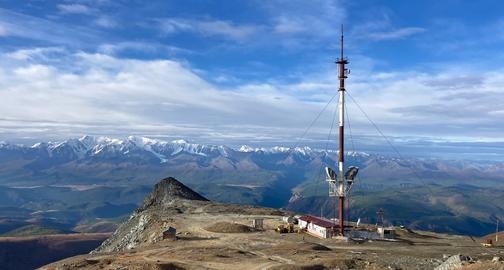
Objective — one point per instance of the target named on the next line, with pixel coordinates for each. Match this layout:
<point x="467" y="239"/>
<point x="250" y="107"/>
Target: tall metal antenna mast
<point x="340" y="183"/>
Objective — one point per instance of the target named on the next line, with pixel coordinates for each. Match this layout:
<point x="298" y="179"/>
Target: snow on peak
<point x="110" y="140"/>
<point x="143" y="141"/>
<point x="146" y="144"/>
<point x="180" y="142"/>
<point x="357" y="154"/>
<point x="303" y="150"/>
<point x="88" y="141"/>
<point x="276" y="150"/>
<point x="37" y="145"/>
<point x="180" y="146"/>
<point x="279" y="149"/>
<point x="246" y="149"/>
<point x="6" y="145"/>
<point x="87" y="138"/>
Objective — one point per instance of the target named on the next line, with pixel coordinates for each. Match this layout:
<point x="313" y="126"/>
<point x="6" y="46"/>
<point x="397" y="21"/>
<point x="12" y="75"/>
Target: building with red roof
<point x="319" y="227"/>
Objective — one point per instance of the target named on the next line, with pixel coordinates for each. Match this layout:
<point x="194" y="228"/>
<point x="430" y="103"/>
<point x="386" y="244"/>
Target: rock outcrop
<point x="167" y="191"/>
<point x="454" y="262"/>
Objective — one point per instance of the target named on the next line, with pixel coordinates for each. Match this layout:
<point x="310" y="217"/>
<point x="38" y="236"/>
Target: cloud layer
<point x="108" y="95"/>
<point x="55" y="91"/>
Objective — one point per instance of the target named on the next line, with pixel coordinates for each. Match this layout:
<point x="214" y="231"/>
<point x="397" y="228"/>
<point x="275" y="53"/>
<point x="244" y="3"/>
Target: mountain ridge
<point x="160" y="148"/>
<point x="142" y="150"/>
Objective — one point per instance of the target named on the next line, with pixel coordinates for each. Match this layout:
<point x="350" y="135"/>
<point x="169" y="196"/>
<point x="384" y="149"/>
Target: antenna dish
<point x="331" y="174"/>
<point x="351" y="173"/>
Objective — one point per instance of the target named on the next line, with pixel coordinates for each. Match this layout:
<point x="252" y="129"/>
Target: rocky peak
<point x="168" y="190"/>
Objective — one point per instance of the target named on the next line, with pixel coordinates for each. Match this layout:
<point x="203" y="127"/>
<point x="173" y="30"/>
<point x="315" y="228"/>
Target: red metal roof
<point x="322" y="222"/>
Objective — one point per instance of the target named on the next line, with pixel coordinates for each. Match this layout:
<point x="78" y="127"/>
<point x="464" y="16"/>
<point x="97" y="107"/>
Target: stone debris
<point x="497" y="259"/>
<point x="455" y="262"/>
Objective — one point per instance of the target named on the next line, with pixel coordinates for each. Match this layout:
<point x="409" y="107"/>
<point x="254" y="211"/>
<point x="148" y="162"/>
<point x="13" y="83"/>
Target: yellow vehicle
<point x="488" y="243"/>
<point x="281" y="229"/>
<point x="285" y="229"/>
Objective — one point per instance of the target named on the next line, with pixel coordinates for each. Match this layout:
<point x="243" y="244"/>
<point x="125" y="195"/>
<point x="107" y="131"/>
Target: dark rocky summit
<point x="168" y="190"/>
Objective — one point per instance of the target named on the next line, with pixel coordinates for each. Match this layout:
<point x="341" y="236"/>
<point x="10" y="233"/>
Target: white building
<point x="319" y="227"/>
<point x="386" y="233"/>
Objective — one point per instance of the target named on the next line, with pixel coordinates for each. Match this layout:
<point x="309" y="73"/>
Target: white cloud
<point x="120" y="96"/>
<point x="209" y="28"/>
<point x="34" y="28"/>
<point x="379" y="27"/>
<point x="146" y="47"/>
<point x="320" y="18"/>
<point x="451" y="103"/>
<point x="74" y="9"/>
<point x="289" y="25"/>
<point x="35" y="53"/>
<point x="396" y="33"/>
<point x="3" y="31"/>
<point x="224" y="28"/>
<point x="106" y="22"/>
<point x="101" y="19"/>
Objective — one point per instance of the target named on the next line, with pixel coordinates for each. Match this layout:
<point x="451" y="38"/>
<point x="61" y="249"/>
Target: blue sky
<point x="429" y="73"/>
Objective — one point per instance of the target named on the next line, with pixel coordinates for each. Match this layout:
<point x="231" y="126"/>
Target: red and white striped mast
<point x="341" y="182"/>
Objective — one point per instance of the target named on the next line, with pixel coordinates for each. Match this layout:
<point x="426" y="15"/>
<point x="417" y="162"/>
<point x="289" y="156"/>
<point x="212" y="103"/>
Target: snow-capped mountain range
<point x="90" y="146"/>
<point x="97" y="159"/>
<point x="95" y="146"/>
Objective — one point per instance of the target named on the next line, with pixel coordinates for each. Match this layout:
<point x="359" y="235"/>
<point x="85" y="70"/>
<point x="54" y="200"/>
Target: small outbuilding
<point x="170" y="233"/>
<point x="319" y="227"/>
<point x="257" y="223"/>
<point x="386" y="233"/>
